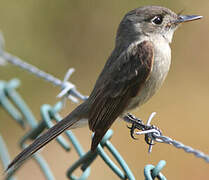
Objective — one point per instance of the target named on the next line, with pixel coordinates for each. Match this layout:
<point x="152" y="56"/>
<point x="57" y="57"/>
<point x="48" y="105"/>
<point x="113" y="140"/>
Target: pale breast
<point x="161" y="65"/>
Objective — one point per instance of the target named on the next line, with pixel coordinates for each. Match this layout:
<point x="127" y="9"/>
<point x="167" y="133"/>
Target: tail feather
<point x="98" y="135"/>
<point x="46" y="137"/>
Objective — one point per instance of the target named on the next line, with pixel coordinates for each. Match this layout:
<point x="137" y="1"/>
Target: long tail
<point x="52" y="133"/>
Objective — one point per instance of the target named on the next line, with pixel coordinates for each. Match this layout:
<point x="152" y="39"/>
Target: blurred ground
<point x="57" y="35"/>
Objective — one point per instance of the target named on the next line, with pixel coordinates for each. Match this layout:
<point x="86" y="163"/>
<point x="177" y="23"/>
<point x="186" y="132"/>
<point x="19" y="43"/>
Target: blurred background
<point x="57" y="35"/>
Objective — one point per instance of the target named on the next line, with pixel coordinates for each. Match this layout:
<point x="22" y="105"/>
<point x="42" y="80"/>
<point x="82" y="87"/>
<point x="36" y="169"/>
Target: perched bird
<point x="133" y="73"/>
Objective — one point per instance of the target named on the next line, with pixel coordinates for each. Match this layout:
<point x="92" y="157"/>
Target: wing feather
<point x="111" y="96"/>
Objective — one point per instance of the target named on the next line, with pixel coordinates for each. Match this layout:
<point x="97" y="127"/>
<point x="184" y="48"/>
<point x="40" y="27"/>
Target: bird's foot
<point x="146" y="129"/>
<point x="135" y="124"/>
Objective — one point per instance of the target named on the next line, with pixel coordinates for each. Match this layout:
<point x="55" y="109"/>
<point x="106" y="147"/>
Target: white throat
<point x="168" y="36"/>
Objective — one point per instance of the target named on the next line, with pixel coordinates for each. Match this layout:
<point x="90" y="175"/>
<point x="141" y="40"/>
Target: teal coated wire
<point x="7" y="90"/>
<point x="120" y="160"/>
<point x="45" y="113"/>
<point x="49" y="113"/>
<point x="158" y="168"/>
<point x="18" y="101"/>
<point x="8" y="106"/>
<point x="41" y="163"/>
<point x="127" y="174"/>
<point x="77" y="164"/>
<point x="86" y="158"/>
<point x="89" y="157"/>
<point x="71" y="137"/>
<point x="4" y="155"/>
<point x="151" y="172"/>
<point x="43" y="166"/>
<point x="109" y="162"/>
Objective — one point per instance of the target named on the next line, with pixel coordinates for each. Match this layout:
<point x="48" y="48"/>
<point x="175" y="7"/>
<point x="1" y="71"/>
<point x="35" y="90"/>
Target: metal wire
<point x="22" y="114"/>
<point x="8" y="106"/>
<point x="49" y="114"/>
<point x="86" y="160"/>
<point x="151" y="132"/>
<point x="67" y="87"/>
<point x="154" y="134"/>
<point x="180" y="145"/>
<point x="4" y="155"/>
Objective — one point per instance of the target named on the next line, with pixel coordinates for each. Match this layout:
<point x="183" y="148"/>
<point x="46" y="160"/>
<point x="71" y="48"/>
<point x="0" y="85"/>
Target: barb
<point x="65" y="85"/>
<point x="153" y="134"/>
<point x="68" y="86"/>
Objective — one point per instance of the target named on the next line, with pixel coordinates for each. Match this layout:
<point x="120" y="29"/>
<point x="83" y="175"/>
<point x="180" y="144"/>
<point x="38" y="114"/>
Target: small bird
<point x="133" y="73"/>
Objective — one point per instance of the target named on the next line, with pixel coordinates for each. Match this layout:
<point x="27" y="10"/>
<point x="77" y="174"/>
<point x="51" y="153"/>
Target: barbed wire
<point x="67" y="87"/>
<point x="49" y="114"/>
<point x="154" y="134"/>
<point x="70" y="89"/>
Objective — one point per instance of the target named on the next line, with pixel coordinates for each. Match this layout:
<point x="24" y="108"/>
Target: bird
<point x="133" y="73"/>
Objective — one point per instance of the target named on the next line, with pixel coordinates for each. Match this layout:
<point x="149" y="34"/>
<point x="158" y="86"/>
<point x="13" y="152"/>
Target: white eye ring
<point x="157" y="20"/>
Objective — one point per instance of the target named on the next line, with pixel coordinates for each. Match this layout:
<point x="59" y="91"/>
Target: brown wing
<point x="120" y="83"/>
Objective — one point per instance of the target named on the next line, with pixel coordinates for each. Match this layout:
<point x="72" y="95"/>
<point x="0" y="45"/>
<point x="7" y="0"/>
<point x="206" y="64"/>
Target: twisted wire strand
<point x="155" y="134"/>
<point x="41" y="74"/>
<point x="180" y="145"/>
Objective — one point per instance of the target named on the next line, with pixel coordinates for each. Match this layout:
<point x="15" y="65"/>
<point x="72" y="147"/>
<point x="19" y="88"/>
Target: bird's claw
<point x="132" y="131"/>
<point x="135" y="124"/>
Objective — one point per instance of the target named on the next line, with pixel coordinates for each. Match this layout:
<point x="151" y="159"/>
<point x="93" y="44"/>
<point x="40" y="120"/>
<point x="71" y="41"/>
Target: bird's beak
<point x="187" y="18"/>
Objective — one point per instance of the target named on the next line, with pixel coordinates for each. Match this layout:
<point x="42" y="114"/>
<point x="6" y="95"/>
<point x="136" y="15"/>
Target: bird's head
<point x="150" y="21"/>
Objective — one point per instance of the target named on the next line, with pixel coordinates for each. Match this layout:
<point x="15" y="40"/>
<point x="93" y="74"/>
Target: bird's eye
<point x="157" y="20"/>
